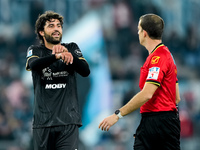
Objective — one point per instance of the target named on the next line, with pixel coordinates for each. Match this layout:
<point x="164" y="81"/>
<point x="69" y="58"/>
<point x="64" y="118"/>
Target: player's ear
<point x="41" y="33"/>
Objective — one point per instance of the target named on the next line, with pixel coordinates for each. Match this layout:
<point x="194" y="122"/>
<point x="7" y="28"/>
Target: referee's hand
<point x="108" y="122"/>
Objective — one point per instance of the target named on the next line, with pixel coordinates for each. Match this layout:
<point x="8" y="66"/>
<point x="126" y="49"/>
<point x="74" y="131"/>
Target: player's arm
<point x="81" y="66"/>
<point x="78" y="64"/>
<point x="71" y="58"/>
<point x="178" y="98"/>
<point x="36" y="63"/>
<point x="136" y="102"/>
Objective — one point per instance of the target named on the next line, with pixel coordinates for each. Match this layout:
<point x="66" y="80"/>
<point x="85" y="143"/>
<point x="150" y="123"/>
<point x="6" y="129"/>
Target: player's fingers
<point x="60" y="49"/>
<point x="62" y="57"/>
<point x="56" y="49"/>
<point x="53" y="50"/>
<point x="65" y="49"/>
<point x="71" y="59"/>
<point x="65" y="59"/>
<point x="58" y="56"/>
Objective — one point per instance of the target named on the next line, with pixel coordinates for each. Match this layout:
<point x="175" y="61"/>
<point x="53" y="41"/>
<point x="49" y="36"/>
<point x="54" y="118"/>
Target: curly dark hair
<point x="41" y="21"/>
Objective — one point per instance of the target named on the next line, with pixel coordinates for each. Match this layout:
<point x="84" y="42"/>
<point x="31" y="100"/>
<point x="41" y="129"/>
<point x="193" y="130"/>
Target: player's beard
<point x="51" y="39"/>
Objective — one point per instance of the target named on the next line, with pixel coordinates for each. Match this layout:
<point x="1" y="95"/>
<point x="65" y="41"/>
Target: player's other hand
<point x="61" y="52"/>
<point x="108" y="122"/>
<point x="67" y="57"/>
<point x="59" y="49"/>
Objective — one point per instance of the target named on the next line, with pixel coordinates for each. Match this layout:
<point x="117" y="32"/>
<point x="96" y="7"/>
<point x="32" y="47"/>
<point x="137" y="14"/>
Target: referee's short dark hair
<point x="153" y="25"/>
<point x="42" y="19"/>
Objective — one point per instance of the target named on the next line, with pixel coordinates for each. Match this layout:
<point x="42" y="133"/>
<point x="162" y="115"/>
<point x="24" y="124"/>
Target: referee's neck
<point x="151" y="44"/>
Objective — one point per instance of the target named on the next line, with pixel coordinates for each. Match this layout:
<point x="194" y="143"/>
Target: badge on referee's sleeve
<point x="30" y="53"/>
<point x="153" y="73"/>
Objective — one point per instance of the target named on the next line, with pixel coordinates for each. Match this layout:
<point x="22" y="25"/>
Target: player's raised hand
<point x="61" y="52"/>
<point x="67" y="57"/>
<point x="108" y="122"/>
<point x="59" y="49"/>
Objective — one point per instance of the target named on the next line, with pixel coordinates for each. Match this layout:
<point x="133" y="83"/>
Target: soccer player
<point x="54" y="66"/>
<point x="159" y="128"/>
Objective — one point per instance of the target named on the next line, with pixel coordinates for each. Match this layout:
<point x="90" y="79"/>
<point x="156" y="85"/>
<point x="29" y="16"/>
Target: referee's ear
<point x="145" y="34"/>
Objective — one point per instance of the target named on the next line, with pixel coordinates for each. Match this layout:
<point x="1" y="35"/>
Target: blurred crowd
<point x="119" y="20"/>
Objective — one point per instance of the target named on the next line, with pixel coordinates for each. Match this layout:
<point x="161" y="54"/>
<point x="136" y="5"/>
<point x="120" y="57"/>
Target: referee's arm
<point x="178" y="98"/>
<point x="136" y="102"/>
<point x="139" y="99"/>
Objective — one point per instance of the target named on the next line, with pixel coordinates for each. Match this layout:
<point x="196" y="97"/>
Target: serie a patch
<point x="153" y="73"/>
<point x="30" y="53"/>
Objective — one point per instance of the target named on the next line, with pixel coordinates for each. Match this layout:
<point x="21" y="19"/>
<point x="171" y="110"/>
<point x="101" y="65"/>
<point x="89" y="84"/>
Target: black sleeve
<point x="81" y="66"/>
<point x="40" y="63"/>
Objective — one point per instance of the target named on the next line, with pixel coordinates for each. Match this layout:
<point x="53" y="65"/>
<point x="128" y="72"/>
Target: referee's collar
<point x="161" y="44"/>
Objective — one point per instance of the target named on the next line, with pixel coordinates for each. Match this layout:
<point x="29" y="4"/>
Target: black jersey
<point x="55" y="88"/>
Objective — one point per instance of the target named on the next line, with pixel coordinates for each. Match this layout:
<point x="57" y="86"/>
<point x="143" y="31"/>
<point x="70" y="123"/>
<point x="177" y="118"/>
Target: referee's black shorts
<point x="158" y="131"/>
<point x="56" y="138"/>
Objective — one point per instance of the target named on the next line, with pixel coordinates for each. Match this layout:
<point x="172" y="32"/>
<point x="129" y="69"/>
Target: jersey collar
<point x="159" y="45"/>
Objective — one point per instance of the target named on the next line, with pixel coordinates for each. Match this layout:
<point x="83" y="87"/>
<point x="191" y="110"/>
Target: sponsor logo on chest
<point x="55" y="86"/>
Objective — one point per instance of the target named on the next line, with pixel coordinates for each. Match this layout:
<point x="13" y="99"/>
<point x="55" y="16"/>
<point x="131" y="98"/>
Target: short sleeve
<point x="157" y="69"/>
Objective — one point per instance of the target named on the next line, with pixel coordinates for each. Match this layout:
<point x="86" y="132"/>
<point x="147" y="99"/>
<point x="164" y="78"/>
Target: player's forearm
<point x="81" y="67"/>
<point x="41" y="63"/>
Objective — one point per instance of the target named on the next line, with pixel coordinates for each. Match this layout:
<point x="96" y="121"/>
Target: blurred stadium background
<point x="106" y="32"/>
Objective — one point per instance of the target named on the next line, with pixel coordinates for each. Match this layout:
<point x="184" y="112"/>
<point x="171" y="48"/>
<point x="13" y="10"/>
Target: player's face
<point x="140" y="33"/>
<point x="53" y="31"/>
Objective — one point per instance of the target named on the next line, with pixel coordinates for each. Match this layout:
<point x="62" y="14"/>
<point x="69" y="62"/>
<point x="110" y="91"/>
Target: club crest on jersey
<point x="78" y="52"/>
<point x="155" y="59"/>
<point x="30" y="53"/>
<point x="153" y="73"/>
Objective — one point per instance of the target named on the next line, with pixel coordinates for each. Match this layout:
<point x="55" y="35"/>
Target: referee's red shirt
<point x="160" y="69"/>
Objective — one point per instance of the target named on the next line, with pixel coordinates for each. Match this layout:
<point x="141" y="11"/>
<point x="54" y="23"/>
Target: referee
<point x="159" y="128"/>
<point x="54" y="66"/>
